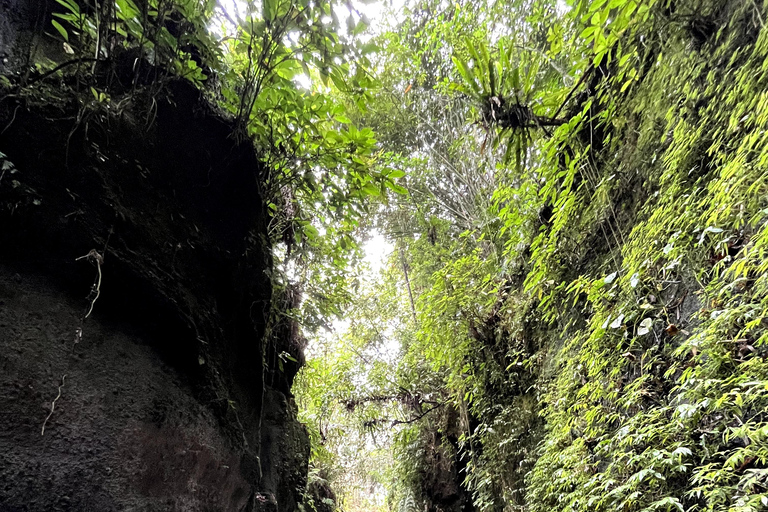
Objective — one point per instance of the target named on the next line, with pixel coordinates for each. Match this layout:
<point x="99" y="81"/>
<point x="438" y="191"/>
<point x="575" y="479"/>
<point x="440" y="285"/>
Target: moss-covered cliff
<point x="636" y="326"/>
<point x="657" y="401"/>
<point x="594" y="305"/>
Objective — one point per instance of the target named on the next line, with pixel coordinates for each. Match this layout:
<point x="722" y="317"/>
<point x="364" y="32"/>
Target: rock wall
<point x="154" y="349"/>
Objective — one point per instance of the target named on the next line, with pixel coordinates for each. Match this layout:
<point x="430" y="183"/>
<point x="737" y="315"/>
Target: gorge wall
<point x="135" y="294"/>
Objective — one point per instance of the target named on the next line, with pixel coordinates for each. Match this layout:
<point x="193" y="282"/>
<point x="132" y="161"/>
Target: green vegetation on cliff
<point x="577" y="294"/>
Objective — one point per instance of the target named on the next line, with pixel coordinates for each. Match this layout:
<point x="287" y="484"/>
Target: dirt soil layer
<point x="124" y="419"/>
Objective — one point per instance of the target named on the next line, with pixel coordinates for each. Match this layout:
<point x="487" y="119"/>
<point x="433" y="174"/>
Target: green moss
<point x="659" y="404"/>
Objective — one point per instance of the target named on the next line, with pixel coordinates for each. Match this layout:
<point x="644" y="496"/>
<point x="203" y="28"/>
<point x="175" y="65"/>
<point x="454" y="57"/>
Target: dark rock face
<point x="444" y="469"/>
<point x="17" y="24"/>
<point x="167" y="403"/>
<point x="127" y="432"/>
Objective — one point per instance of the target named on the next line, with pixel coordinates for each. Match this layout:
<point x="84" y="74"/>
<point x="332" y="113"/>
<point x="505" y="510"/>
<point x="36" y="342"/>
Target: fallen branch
<point x="416" y="418"/>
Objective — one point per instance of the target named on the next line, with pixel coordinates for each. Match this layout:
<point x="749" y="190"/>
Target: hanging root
<point x="96" y="290"/>
<point x="53" y="406"/>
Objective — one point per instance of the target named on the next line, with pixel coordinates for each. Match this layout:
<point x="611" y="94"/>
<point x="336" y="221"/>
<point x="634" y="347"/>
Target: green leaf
<point x="269" y="9"/>
<point x="61" y="30"/>
<point x="342" y="119"/>
<point x="466" y="74"/>
<point x="396" y="188"/>
<point x="587" y="32"/>
<point x="338" y="81"/>
<point x="70" y="5"/>
<point x="368" y="48"/>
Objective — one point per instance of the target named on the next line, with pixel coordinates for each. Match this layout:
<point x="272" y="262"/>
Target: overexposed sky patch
<point x="377" y="250"/>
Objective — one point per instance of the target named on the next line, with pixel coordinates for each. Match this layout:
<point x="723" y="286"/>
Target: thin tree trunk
<point x="408" y="283"/>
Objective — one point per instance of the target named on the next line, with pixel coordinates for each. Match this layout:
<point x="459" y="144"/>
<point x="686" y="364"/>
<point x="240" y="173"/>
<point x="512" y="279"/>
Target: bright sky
<point x="377" y="250"/>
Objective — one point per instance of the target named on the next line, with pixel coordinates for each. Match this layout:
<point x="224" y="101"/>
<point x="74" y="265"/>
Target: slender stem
<point x="408" y="284"/>
<point x="570" y="93"/>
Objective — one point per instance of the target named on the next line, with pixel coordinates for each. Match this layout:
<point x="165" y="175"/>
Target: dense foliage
<point x="579" y="267"/>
